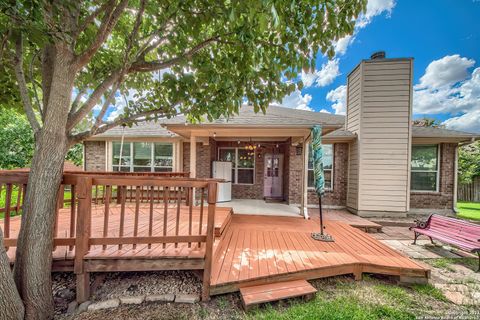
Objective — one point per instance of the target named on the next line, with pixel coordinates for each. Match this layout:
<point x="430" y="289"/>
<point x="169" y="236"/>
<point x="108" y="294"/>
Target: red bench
<point x="459" y="233"/>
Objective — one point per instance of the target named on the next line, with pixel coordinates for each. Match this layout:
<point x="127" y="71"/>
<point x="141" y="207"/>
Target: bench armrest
<point x="421" y="224"/>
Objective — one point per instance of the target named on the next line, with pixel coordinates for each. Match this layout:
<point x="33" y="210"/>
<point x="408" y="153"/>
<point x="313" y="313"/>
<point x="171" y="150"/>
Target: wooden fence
<point x="169" y="195"/>
<point x="470" y="192"/>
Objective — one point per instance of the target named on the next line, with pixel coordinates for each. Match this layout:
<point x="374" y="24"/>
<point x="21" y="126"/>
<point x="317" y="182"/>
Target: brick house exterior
<point x="94" y="156"/>
<point x="444" y="198"/>
<point x="372" y="147"/>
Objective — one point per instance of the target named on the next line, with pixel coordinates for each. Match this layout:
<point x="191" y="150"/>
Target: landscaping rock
<point x="84" y="306"/>
<point x="106" y="304"/>
<point x="72" y="306"/>
<point x="66" y="294"/>
<point x="455" y="297"/>
<point x="187" y="298"/>
<point x="160" y="298"/>
<point x="132" y="299"/>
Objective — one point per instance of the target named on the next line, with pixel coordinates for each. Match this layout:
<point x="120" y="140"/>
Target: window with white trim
<point x="142" y="156"/>
<point x="327" y="166"/>
<point x="243" y="164"/>
<point x="424" y="168"/>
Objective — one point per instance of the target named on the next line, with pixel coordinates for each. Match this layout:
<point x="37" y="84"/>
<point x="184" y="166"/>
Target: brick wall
<point x="204" y="158"/>
<point x="444" y="198"/>
<point x="94" y="155"/>
<point x="335" y="197"/>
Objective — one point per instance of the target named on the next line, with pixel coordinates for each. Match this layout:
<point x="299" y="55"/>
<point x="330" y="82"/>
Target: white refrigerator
<point x="223" y="170"/>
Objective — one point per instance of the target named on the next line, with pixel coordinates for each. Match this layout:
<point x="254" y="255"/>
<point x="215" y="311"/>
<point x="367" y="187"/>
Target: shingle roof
<point x="142" y="129"/>
<point x="274" y="116"/>
<point x="429" y="132"/>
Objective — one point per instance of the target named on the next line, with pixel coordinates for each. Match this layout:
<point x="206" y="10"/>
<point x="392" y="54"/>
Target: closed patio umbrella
<point x="319" y="179"/>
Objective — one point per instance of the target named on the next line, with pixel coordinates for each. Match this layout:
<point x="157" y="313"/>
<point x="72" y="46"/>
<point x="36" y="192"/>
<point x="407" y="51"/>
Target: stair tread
<point x="275" y="291"/>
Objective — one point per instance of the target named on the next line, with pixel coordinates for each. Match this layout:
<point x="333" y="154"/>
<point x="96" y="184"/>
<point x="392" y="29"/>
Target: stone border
<point x="74" y="308"/>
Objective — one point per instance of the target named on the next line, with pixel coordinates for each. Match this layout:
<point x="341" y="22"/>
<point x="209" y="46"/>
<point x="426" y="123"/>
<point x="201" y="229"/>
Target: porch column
<point x="193" y="156"/>
<point x="304" y="200"/>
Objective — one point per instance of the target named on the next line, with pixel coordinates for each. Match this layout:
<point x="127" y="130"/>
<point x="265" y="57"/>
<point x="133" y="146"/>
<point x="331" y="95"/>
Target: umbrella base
<point x="322" y="237"/>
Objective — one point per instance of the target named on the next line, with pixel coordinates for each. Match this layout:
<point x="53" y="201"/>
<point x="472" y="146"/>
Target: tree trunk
<point x="33" y="261"/>
<point x="11" y="306"/>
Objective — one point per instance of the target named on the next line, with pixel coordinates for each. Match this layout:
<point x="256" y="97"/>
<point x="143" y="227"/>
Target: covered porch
<point x="269" y="166"/>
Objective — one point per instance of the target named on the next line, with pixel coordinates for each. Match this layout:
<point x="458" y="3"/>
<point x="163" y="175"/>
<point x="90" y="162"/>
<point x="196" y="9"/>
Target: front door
<point x="273" y="176"/>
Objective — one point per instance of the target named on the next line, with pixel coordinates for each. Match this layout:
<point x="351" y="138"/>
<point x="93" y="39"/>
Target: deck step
<point x="255" y="295"/>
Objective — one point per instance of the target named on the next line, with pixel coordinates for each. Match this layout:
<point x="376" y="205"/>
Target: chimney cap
<point x="378" y="55"/>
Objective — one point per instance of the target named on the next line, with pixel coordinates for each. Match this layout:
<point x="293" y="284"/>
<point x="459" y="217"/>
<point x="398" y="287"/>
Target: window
<point x="142" y="157"/>
<point x="327" y="166"/>
<point x="424" y="165"/>
<point x="243" y="164"/>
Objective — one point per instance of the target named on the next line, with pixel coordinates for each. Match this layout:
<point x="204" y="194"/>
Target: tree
<point x="16" y="140"/>
<point x="17" y="143"/>
<point x="468" y="162"/>
<point x="74" y="61"/>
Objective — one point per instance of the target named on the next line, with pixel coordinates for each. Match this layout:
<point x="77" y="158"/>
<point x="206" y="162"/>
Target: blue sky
<point x="443" y="37"/>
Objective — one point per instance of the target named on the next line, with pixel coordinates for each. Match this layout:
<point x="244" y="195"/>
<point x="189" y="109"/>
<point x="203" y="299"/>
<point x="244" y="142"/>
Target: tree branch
<point x="144" y="66"/>
<point x="22" y="84"/>
<point x="90" y="18"/>
<point x="77" y="100"/>
<point x="108" y="23"/>
<point x="94" y="98"/>
<point x="112" y="124"/>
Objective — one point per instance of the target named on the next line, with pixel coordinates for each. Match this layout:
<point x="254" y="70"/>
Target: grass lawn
<point x="469" y="210"/>
<point x="338" y="298"/>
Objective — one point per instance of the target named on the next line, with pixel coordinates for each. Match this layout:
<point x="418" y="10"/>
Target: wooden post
<point x="193" y="163"/>
<point x="304" y="200"/>
<point x="207" y="271"/>
<point x="84" y="195"/>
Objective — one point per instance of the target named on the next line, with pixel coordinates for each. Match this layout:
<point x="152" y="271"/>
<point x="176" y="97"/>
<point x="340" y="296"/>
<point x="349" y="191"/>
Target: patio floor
<point x="258" y="249"/>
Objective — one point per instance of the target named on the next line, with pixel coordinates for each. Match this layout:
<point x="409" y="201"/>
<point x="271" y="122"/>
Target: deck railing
<point x="167" y="194"/>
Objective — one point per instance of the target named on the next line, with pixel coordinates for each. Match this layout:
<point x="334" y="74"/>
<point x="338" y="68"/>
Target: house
<point x="376" y="162"/>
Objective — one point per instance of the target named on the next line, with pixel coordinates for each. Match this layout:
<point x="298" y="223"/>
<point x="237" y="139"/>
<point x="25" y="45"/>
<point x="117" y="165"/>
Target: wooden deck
<point x="127" y="251"/>
<point x="264" y="249"/>
<point x="149" y="223"/>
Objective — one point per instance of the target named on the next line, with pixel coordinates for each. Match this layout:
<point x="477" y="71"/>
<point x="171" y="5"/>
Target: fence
<point x="470" y="192"/>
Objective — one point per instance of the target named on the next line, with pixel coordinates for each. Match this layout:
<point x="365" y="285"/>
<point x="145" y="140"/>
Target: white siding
<point x="379" y="112"/>
<point x="384" y="153"/>
<point x="352" y="188"/>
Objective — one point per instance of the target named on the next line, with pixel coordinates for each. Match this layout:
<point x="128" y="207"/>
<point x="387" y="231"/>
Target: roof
<point x="432" y="132"/>
<point x="140" y="130"/>
<point x="274" y="116"/>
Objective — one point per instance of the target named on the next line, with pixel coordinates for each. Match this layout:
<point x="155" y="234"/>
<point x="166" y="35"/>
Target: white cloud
<point x="375" y="8"/>
<point x="296" y="100"/>
<point x="447" y="87"/>
<point x="446" y="71"/>
<point x="323" y="77"/>
<point x="342" y="44"/>
<point x="339" y="98"/>
<point x="469" y="122"/>
<point x="324" y="111"/>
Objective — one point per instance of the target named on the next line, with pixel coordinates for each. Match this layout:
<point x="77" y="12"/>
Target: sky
<point x="443" y="37"/>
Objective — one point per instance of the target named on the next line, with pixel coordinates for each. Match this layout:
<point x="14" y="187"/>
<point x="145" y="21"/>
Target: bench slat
<point x="457" y="232"/>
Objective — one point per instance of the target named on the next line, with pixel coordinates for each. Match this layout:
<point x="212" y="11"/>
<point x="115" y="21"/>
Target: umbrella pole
<point x="321" y="236"/>
<point x="321" y="214"/>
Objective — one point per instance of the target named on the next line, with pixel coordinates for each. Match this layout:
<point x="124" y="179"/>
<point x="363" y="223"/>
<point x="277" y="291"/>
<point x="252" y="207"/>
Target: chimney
<point x="379" y="108"/>
<point x="378" y="55"/>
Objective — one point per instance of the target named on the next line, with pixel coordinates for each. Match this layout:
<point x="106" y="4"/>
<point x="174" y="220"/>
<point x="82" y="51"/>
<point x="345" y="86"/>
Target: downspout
<point x="455" y="181"/>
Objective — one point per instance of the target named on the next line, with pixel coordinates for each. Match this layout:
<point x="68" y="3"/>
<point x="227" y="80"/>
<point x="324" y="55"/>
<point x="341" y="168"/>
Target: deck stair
<point x="256" y="295"/>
